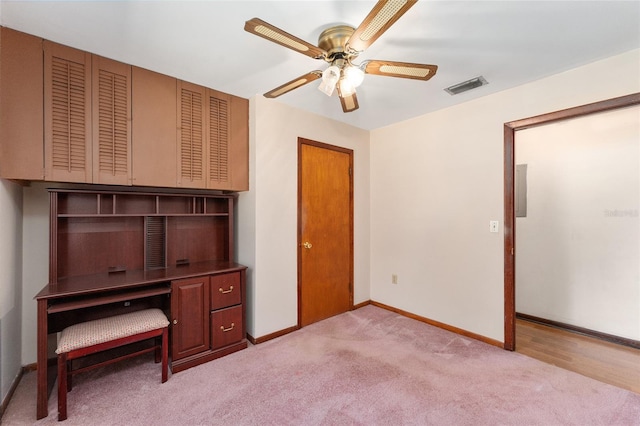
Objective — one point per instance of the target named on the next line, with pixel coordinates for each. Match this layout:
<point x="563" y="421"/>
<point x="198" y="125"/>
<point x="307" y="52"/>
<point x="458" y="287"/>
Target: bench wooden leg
<point x="62" y="386"/>
<point x="165" y="354"/>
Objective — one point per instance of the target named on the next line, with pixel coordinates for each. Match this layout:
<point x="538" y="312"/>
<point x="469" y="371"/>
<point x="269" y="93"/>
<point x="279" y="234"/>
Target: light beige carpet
<point x="366" y="367"/>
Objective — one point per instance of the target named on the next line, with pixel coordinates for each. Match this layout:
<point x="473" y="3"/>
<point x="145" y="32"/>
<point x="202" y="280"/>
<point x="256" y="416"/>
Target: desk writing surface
<point x="95" y="283"/>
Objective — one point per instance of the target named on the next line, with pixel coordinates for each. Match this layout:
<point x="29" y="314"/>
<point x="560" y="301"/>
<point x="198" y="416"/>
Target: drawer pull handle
<point x="226" y="291"/>
<point x="227" y="329"/>
<point x="175" y="321"/>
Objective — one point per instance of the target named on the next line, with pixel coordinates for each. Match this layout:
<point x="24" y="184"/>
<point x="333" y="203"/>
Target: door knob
<point x="307" y="245"/>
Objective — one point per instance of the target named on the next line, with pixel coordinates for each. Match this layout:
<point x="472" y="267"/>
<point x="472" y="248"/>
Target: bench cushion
<point x="106" y="329"/>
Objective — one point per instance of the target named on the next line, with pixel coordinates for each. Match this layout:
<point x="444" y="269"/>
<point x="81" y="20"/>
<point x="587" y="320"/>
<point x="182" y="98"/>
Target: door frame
<point x="301" y="142"/>
<point x="509" y="194"/>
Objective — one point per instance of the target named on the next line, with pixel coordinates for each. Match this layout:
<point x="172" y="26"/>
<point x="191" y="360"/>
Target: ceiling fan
<point x="339" y="46"/>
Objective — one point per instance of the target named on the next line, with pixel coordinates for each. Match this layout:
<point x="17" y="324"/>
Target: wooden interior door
<point x="325" y="231"/>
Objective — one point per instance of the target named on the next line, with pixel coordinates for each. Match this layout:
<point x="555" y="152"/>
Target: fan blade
<point x="265" y="30"/>
<point x="294" y="84"/>
<point x="400" y="69"/>
<point x="349" y="101"/>
<point x="381" y="17"/>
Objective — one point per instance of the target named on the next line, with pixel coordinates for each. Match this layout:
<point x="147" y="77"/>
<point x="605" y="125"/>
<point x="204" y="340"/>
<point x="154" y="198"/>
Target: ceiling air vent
<point x="456" y="89"/>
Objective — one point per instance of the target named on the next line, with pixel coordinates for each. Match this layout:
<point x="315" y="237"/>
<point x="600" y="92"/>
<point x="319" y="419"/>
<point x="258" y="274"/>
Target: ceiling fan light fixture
<point x="346" y="88"/>
<point x="330" y="78"/>
<point x="354" y="75"/>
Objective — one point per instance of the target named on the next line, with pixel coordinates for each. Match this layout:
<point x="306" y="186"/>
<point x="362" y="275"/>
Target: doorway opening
<point x="509" y="195"/>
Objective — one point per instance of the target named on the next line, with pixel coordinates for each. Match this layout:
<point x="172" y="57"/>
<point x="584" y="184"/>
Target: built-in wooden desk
<point x="113" y="250"/>
<point x="84" y="298"/>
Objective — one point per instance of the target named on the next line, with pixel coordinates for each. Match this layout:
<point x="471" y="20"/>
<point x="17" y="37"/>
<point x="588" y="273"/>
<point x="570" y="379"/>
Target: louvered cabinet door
<point x="219" y="132"/>
<point x="192" y="153"/>
<point x="67" y="114"/>
<point x="228" y="131"/>
<point x="111" y="117"/>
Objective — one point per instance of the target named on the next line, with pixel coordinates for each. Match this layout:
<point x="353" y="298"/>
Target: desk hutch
<point x="115" y="251"/>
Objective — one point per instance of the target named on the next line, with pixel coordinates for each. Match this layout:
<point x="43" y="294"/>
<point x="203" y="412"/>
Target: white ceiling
<point x="507" y="42"/>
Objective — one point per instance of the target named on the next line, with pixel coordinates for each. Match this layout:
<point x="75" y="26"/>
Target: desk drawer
<point x="225" y="290"/>
<point x="226" y="327"/>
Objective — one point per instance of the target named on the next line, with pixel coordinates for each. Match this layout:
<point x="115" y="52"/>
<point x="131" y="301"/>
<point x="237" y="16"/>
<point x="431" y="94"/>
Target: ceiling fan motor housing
<point x="333" y="41"/>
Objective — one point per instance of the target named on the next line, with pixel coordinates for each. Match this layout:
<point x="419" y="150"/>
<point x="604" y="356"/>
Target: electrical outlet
<point x="394" y="279"/>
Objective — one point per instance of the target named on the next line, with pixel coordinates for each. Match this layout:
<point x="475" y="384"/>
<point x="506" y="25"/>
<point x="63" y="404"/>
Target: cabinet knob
<point x="175" y="321"/>
<point x="307" y="245"/>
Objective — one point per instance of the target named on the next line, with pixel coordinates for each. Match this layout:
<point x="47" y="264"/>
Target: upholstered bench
<point x="103" y="334"/>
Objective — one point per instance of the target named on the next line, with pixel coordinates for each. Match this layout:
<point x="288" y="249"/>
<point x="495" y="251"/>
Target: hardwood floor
<point x="610" y="363"/>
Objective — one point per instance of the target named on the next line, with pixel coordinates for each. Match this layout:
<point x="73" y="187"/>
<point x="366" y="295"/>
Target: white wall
<point x="245" y="230"/>
<point x="10" y="284"/>
<point x="35" y="268"/>
<point x="437" y="181"/>
<point x="578" y="256"/>
<point x="268" y="212"/>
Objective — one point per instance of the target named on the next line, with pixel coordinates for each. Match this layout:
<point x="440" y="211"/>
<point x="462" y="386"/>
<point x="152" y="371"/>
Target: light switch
<point x="493" y="226"/>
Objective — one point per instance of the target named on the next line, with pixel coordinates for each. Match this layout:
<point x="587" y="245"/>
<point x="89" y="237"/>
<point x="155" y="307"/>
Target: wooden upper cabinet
<point x="111" y="121"/>
<point x="228" y="142"/>
<point x="154" y="129"/>
<point x="67" y="114"/>
<point x="239" y="146"/>
<point x="21" y="95"/>
<point x="70" y="116"/>
<point x="219" y="132"/>
<point x="191" y="125"/>
<point x="213" y="139"/>
<point x="87" y="111"/>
